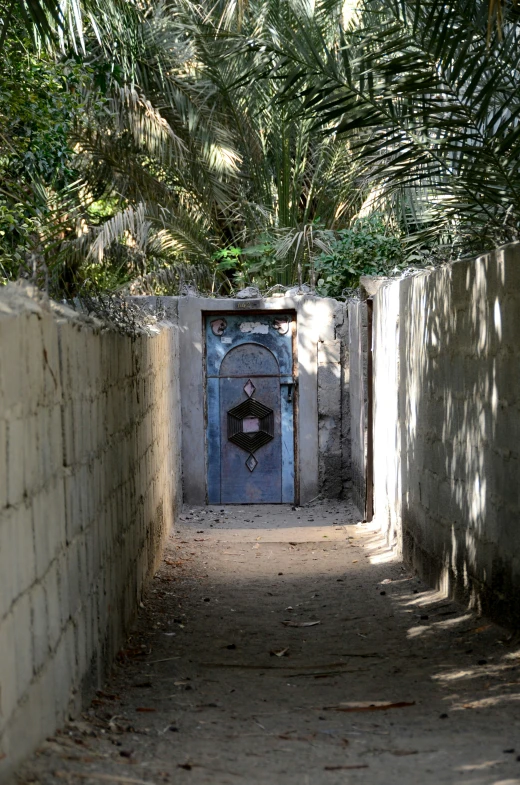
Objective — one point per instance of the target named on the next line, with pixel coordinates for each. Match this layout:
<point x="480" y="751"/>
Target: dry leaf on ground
<point x="301" y="623"/>
<point x="375" y="706"/>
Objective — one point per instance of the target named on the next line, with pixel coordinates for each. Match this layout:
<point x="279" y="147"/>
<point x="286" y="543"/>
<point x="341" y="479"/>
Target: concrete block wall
<point x="334" y="403"/>
<point x="358" y="349"/>
<point x="89" y="485"/>
<point x="388" y="396"/>
<point x="447" y="426"/>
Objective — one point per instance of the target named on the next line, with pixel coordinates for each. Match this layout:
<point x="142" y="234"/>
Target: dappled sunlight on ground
<point x="476" y="673"/>
<point x="262" y="660"/>
<point x="486" y="703"/>
<point x="507" y="782"/>
<point x="488" y="764"/>
<point x="428" y="597"/>
<point x="377" y="546"/>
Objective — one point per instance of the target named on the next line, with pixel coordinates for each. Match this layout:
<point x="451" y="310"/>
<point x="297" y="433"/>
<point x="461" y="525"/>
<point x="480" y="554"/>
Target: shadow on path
<point x="386" y="682"/>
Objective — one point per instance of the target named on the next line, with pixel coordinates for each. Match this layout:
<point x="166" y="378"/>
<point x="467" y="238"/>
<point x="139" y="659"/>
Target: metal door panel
<point x="240" y="484"/>
<point x="287" y="426"/>
<point x="250" y="417"/>
<point x="218" y="345"/>
<point x="213" y="440"/>
<point x="249" y="359"/>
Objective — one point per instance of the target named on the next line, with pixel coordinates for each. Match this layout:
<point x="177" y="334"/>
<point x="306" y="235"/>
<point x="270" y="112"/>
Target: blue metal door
<point x="250" y="433"/>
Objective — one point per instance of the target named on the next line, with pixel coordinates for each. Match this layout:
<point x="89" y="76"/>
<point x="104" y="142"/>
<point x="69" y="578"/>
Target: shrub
<point x="368" y="247"/>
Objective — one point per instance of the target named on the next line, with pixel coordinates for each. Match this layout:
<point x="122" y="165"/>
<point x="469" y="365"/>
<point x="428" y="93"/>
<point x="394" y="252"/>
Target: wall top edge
<point x="371" y="285"/>
<point x="20" y="299"/>
<point x="294" y="303"/>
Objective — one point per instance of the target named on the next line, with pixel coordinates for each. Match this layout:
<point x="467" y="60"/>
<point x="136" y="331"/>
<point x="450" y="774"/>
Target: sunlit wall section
<point x="387" y="434"/>
<point x="358" y="350"/>
<point x="447" y="425"/>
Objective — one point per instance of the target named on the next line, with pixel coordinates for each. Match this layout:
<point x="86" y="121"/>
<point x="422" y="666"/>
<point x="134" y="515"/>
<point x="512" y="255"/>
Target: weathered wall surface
<point x="89" y="484"/>
<point x="447" y="426"/>
<point x="357" y="320"/>
<point x="334" y="404"/>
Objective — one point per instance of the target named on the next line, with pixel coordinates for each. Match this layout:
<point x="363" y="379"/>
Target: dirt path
<point x="220" y="682"/>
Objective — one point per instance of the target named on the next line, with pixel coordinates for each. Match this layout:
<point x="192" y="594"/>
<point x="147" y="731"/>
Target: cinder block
<point x="64" y="594"/>
<point x="80" y="634"/>
<point x="3" y="460"/>
<point x="63" y="677"/>
<point x="8" y="655"/>
<point x="70" y="572"/>
<point x="52" y="380"/>
<point x="72" y="507"/>
<point x="8" y="544"/>
<point x="48" y="525"/>
<point x="15" y="461"/>
<point x="329" y="351"/>
<point x="12" y="378"/>
<point x="33" y="461"/>
<point x="39" y="626"/>
<point x="68" y="433"/>
<point x="54" y="611"/>
<point x="22" y="555"/>
<point x="22" y="625"/>
<point x="329" y="390"/>
<point x="33" y="364"/>
<point x="84" y="577"/>
<point x="116" y="448"/>
<point x="34" y="718"/>
<point x="79" y="424"/>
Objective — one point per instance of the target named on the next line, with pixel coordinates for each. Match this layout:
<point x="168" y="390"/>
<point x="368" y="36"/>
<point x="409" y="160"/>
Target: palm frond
<point x="425" y="103"/>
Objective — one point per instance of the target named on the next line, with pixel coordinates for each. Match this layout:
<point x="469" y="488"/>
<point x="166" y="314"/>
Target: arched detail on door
<point x="249" y="359"/>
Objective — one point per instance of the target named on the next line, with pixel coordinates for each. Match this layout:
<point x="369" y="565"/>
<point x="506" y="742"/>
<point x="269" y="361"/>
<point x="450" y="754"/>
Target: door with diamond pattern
<point x="250" y="409"/>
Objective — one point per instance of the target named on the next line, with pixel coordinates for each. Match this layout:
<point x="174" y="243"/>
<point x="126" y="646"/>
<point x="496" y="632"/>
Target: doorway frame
<point x="206" y="316"/>
<point x="314" y="323"/>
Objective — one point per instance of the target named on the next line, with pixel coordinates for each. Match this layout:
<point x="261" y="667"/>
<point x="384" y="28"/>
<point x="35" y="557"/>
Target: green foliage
<point x="431" y="106"/>
<point x="256" y="264"/>
<point x="156" y="134"/>
<point x="368" y="247"/>
<point x="261" y="267"/>
<point x="40" y="100"/>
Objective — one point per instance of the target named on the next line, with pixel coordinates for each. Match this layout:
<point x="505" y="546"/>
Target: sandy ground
<point x="285" y="646"/>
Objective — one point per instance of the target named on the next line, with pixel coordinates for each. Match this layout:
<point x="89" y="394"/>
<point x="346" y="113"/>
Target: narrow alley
<point x="287" y="646"/>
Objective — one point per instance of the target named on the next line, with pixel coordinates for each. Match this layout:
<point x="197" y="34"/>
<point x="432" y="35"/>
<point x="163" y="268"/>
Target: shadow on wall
<point x="454" y="386"/>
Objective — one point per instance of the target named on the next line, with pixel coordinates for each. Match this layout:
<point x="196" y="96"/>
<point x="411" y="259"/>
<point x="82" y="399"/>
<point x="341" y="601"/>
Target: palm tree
<point x="431" y="106"/>
<point x="201" y="140"/>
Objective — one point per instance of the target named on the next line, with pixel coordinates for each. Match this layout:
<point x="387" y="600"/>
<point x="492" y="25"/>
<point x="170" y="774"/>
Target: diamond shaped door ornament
<point x="250" y="425"/>
<point x="249" y="388"/>
<point x="251" y="463"/>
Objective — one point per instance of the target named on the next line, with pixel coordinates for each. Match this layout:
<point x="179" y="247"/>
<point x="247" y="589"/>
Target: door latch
<point x="290" y="388"/>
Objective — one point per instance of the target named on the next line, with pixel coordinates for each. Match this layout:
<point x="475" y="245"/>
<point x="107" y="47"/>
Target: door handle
<point x="290" y="388"/>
